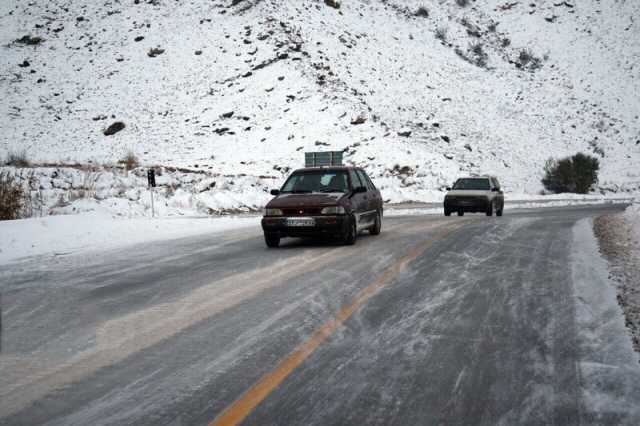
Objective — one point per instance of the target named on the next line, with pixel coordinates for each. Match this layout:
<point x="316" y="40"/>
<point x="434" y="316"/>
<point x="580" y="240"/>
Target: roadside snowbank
<point x="541" y="203"/>
<point x="114" y="214"/>
<point x="519" y="202"/>
<point x="632" y="216"/>
<point x="58" y="235"/>
<point x="608" y="364"/>
<point x="390" y="212"/>
<point x="118" y="192"/>
<point x="566" y="196"/>
<point x="619" y="238"/>
<point x="114" y="191"/>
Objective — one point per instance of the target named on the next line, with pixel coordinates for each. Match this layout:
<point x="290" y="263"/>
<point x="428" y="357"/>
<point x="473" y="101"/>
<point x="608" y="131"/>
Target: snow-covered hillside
<point x="244" y="87"/>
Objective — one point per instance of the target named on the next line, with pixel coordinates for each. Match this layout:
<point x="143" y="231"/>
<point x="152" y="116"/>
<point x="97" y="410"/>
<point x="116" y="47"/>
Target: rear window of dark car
<point x="477" y="184"/>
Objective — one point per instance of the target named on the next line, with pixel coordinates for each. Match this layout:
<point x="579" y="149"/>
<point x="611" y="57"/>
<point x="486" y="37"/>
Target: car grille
<point x="302" y="211"/>
<point x="475" y="199"/>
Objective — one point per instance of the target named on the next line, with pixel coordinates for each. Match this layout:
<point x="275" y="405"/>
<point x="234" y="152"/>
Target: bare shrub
<point x="34" y="204"/>
<point x="477" y="49"/>
<point x="33" y="199"/>
<point x="597" y="149"/>
<point x="462" y="54"/>
<point x="18" y="159"/>
<point x="155" y="51"/>
<point x="87" y="189"/>
<point x="12" y="197"/>
<point x="462" y="3"/>
<point x="526" y="59"/>
<point x="171" y="190"/>
<point x="441" y="34"/>
<point x="422" y="12"/>
<point x="130" y="161"/>
<point x="30" y="40"/>
<point x="61" y="202"/>
<point x="475" y="55"/>
<point x="525" y="56"/>
<point x="472" y="29"/>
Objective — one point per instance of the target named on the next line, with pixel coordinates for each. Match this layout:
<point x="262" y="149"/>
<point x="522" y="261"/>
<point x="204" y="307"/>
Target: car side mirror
<point x="275" y="192"/>
<point x="495" y="190"/>
<point x="359" y="190"/>
<point x="448" y="188"/>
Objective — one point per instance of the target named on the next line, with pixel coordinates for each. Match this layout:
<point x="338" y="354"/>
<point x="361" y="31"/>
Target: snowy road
<point x="470" y="320"/>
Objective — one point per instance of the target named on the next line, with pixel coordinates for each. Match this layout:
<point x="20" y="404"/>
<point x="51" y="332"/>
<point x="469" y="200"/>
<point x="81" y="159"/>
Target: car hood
<point x="302" y="200"/>
<point x="468" y="193"/>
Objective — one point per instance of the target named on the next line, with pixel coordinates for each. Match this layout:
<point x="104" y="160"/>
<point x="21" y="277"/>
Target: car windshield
<point x="472" y="184"/>
<point x="317" y="181"/>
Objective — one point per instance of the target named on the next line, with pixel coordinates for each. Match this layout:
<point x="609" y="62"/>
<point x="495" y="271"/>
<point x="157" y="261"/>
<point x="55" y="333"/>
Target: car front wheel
<point x="272" y="240"/>
<point x="490" y="209"/>
<point x="351" y="233"/>
<point x="377" y="225"/>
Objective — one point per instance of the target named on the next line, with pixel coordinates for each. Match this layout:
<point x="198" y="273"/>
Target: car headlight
<point x="333" y="210"/>
<point x="272" y="212"/>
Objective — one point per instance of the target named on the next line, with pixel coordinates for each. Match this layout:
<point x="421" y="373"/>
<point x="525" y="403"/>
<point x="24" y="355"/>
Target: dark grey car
<point x="475" y="194"/>
<point x="323" y="201"/>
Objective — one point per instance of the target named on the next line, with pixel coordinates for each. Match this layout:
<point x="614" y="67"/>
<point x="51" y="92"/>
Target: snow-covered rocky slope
<point x="241" y="88"/>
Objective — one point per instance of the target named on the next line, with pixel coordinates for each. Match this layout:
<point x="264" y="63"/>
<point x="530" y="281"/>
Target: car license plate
<point x="301" y="221"/>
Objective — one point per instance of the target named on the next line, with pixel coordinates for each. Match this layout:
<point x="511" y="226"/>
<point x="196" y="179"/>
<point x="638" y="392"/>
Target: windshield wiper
<point x="301" y="191"/>
<point x="331" y="190"/>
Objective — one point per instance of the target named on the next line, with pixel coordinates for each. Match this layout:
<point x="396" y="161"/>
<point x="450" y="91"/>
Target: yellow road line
<point x="244" y="405"/>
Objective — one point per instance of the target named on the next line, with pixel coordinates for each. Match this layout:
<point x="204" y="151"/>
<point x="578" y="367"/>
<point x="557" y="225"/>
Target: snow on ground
<point x="518" y="202"/>
<point x="609" y="368"/>
<point x="105" y="223"/>
<point x="117" y="192"/>
<point x="619" y="238"/>
<point x="62" y="235"/>
<point x="632" y="216"/>
<point x="244" y="88"/>
<point x="540" y="203"/>
<point x="412" y="211"/>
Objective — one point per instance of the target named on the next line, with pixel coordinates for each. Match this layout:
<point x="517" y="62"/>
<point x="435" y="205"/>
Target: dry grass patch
<point x="12" y="197"/>
<point x="129" y="161"/>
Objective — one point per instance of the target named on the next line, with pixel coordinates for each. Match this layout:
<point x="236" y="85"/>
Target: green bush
<point x="571" y="174"/>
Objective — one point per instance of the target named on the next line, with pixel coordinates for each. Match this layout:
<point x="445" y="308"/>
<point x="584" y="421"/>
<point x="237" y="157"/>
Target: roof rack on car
<point x="323" y="159"/>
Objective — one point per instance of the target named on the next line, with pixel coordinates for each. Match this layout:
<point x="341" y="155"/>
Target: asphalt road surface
<point x="437" y="320"/>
